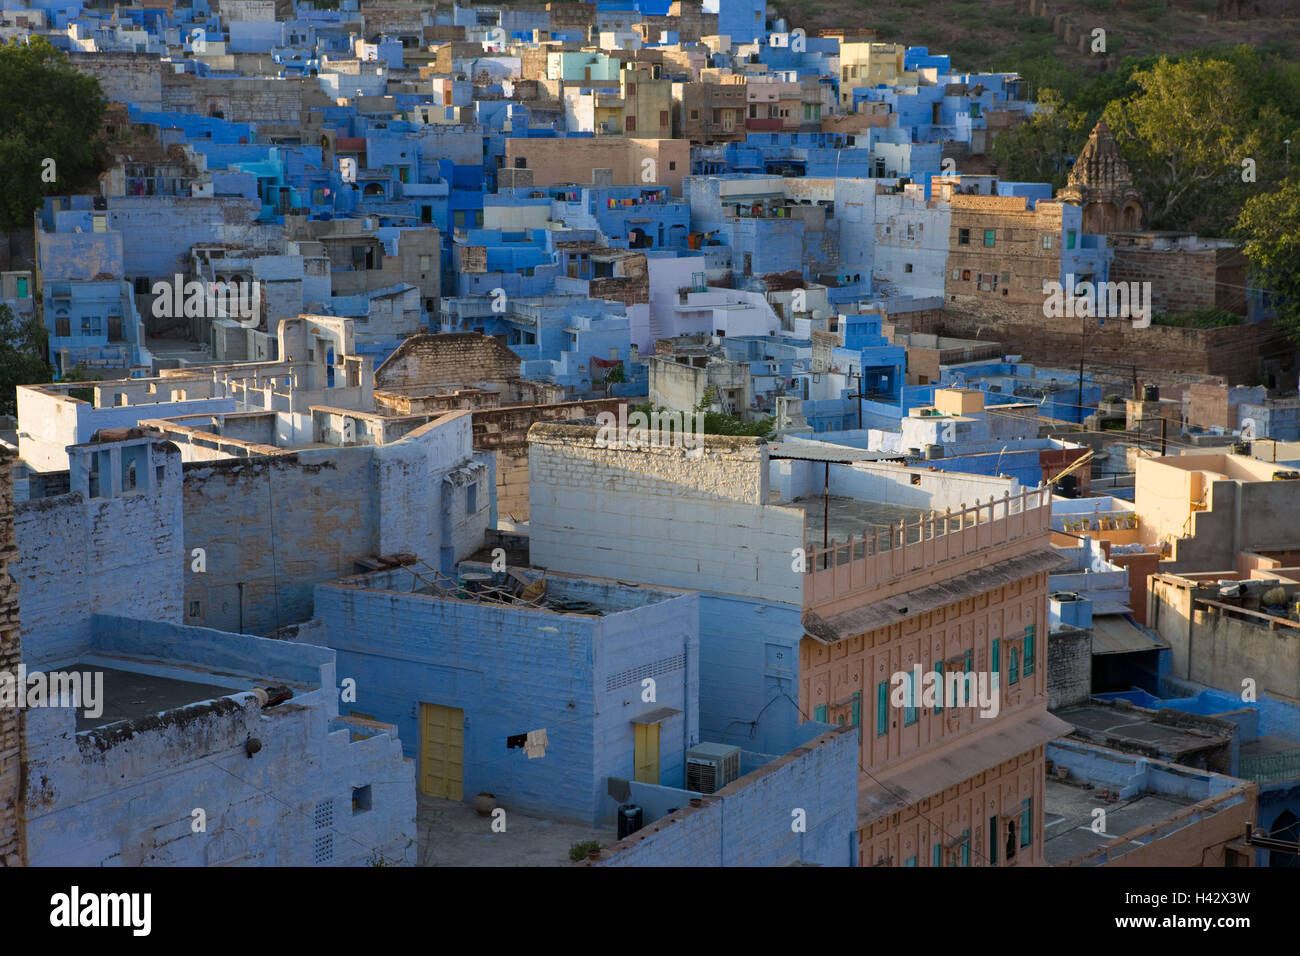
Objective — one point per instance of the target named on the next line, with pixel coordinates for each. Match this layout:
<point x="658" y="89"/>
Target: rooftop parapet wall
<point x="125" y="793"/>
<point x="80" y="555"/>
<point x="747" y="823"/>
<point x="934" y="548"/>
<point x="729" y="468"/>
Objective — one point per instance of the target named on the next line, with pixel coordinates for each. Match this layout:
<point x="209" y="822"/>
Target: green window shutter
<point x="882" y="708"/>
<point x="857" y="709"/>
<point x="990" y="237"/>
<point x="938" y="697"/>
<point x="913" y="692"/>
<point x="819" y="713"/>
<point x="1027" y="822"/>
<point x="970" y="661"/>
<point x="993" y="840"/>
<point x="910" y="861"/>
<point x="1013" y="665"/>
<point x="965" y="848"/>
<point x="1029" y="650"/>
<point x="938" y="854"/>
<point x="997" y="656"/>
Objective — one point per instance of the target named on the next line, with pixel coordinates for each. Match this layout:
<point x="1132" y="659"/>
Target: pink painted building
<point x="944" y="781"/>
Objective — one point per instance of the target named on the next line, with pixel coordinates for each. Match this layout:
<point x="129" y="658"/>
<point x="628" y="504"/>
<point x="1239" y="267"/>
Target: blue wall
<point x="749" y="672"/>
<point x="510" y="678"/>
<point x="752" y="821"/>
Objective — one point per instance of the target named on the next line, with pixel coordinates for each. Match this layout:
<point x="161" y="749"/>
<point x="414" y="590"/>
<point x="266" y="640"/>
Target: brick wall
<point x="1234" y="353"/>
<point x="134" y="78"/>
<point x="244" y="99"/>
<point x="660" y="516"/>
<point x="505" y="431"/>
<point x="459" y="358"/>
<point x="1015" y="266"/>
<point x="1183" y="280"/>
<point x="11" y="723"/>
<point x="1069" y="668"/>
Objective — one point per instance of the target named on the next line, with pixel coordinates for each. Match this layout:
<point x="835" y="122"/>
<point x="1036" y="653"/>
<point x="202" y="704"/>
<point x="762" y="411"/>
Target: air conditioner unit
<point x="710" y="767"/>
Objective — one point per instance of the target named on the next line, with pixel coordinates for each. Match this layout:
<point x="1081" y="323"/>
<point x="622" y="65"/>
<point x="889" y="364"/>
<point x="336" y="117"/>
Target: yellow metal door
<point x="647" y="753"/>
<point x="442" y="751"/>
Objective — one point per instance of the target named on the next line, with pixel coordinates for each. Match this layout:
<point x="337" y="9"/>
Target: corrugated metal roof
<point x="971" y="756"/>
<point x="1110" y="607"/>
<point x="1120" y="634"/>
<point x="836" y="455"/>
<point x="891" y="610"/>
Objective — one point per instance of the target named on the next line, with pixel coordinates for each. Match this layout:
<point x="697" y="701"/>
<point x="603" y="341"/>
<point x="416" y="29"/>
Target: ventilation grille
<point x="635" y="675"/>
<point x="323" y="851"/>
<point x="701" y="777"/>
<point x="323" y="815"/>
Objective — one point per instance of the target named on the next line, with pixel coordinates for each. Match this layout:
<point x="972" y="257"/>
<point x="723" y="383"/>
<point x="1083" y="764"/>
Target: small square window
<point x="1047" y="242"/>
<point x="907" y="267"/>
<point x="196" y="609"/>
<point x="672" y="164"/>
<point x="963" y="237"/>
<point x="361" y="799"/>
<point x="990" y="237"/>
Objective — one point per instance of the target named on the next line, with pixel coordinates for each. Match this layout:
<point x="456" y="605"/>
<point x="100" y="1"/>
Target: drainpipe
<point x="686" y="697"/>
<point x="826" y="516"/>
<point x="1236" y="520"/>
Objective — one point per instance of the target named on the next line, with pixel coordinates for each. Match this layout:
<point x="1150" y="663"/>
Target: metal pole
<point x="1080" y="401"/>
<point x="1162" y="436"/>
<point x="826" y="516"/>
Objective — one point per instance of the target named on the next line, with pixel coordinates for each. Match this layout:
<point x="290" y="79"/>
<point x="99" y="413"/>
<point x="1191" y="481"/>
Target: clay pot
<point x="593" y="854"/>
<point x="484" y="804"/>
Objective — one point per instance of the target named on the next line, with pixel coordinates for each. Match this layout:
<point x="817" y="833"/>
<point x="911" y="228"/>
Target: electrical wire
<point x="753" y="725"/>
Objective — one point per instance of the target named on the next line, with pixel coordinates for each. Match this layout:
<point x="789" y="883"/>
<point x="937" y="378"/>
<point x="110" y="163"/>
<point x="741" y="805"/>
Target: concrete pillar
<point x="114" y="469"/>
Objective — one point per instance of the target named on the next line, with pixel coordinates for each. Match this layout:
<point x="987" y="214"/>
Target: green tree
<point x="717" y="423"/>
<point x="1036" y="151"/>
<point x="1187" y="132"/>
<point x="23" y="347"/>
<point x="1269" y="231"/>
<point x="48" y="111"/>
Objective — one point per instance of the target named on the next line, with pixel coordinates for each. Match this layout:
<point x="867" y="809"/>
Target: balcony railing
<point x="884" y="555"/>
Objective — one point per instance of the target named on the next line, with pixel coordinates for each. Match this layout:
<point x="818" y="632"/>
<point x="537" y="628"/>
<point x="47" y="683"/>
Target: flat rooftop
<point x="1268" y="746"/>
<point x="850" y="516"/>
<point x="1116" y="727"/>
<point x="182" y="350"/>
<point x="1068" y="819"/>
<point x="451" y="833"/>
<point x="130" y="695"/>
<point x="520" y="587"/>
